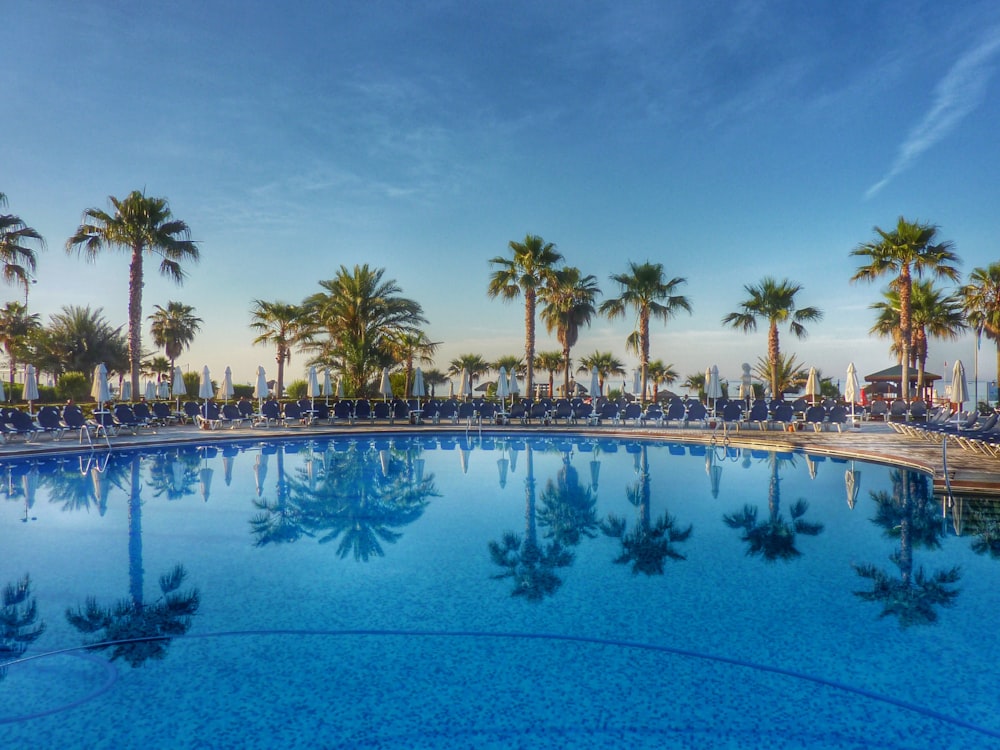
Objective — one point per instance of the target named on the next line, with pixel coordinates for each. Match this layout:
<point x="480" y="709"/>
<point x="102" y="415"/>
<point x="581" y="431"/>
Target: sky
<point x="726" y="140"/>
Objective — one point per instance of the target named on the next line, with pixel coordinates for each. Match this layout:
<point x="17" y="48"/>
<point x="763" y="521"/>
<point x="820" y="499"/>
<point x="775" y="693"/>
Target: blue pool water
<point x="534" y="591"/>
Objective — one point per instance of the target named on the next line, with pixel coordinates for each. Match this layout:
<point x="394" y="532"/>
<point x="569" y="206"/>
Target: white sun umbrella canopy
<point x="126" y="391"/>
<point x="746" y="382"/>
<point x="260" y="389"/>
<point x="503" y="387"/>
<point x="205" y="389"/>
<point x="30" y="385"/>
<point x="385" y="386"/>
<point x="327" y="385"/>
<point x="959" y="387"/>
<point x="99" y="390"/>
<point x="852" y="389"/>
<point x="713" y="389"/>
<point x="417" y="389"/>
<point x="595" y="383"/>
<point x="340" y="387"/>
<point x="150" y="392"/>
<point x="515" y="389"/>
<point x="812" y="385"/>
<point x="465" y="388"/>
<point x="3" y="395"/>
<point x="163" y="390"/>
<point x="312" y="386"/>
<point x="226" y="389"/>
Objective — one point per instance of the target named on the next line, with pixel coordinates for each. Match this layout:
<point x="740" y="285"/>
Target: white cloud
<point x="956" y="96"/>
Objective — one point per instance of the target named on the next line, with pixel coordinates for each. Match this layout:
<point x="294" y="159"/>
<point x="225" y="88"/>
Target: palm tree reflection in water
<point x="18" y="618"/>
<point x="531" y="565"/>
<point x="909" y="514"/>
<point x="360" y="496"/>
<point x="773" y="538"/>
<point x="134" y="629"/>
<point x="649" y="543"/>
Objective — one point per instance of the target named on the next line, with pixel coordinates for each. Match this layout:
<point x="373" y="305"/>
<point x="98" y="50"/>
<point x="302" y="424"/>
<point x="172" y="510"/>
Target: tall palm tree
<point x="551" y="362"/>
<point x="18" y="246"/>
<point x="281" y="325"/>
<point x="934" y="314"/>
<point x="645" y="290"/>
<point x="569" y="305"/>
<point x="606" y="365"/>
<point x="138" y="225"/>
<point x="77" y="339"/>
<point x="174" y="327"/>
<point x="529" y="270"/>
<point x="773" y="301"/>
<point x="413" y="346"/>
<point x="16" y="325"/>
<point x="909" y="249"/>
<point x="661" y="374"/>
<point x="981" y="299"/>
<point x="356" y="320"/>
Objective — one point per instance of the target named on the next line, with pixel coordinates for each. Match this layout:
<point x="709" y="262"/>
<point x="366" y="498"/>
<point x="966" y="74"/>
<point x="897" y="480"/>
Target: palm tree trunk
<point x="135" y="316"/>
<point x="644" y="346"/>
<point x="566" y="369"/>
<point x="905" y="328"/>
<point x="280" y="359"/>
<point x="135" y="570"/>
<point x="773" y="353"/>
<point x="529" y="341"/>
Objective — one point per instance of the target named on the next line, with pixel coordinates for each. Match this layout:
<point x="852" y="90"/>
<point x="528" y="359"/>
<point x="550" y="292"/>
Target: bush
<point x="46" y="394"/>
<point x="296" y="389"/>
<point x="239" y="391"/>
<point x="191" y="382"/>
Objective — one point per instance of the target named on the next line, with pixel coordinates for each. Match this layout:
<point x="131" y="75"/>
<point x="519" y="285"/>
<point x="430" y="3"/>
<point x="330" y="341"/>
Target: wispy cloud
<point x="957" y="95"/>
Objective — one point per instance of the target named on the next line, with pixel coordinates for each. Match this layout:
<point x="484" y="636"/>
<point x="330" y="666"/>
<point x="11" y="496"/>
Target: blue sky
<point x="727" y="141"/>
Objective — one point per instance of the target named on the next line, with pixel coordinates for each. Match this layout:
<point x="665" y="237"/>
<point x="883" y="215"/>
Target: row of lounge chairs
<point x="971" y="431"/>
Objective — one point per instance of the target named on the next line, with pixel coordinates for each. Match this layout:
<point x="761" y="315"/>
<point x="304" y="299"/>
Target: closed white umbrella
<point x="713" y="389"/>
<point x="595" y="383"/>
<point x="515" y="389"/>
<point x="30" y="385"/>
<point x="3" y="395"/>
<point x="205" y="480"/>
<point x="852" y="483"/>
<point x="503" y="387"/>
<point x="260" y="387"/>
<point x="99" y="390"/>
<point x="812" y="385"/>
<point x="853" y="388"/>
<point x="636" y="385"/>
<point x="418" y="390"/>
<point x="340" y="387"/>
<point x="226" y="389"/>
<point x="178" y="388"/>
<point x="126" y="391"/>
<point x="163" y="390"/>
<point x="385" y="386"/>
<point x="150" y="392"/>
<point x="205" y="389"/>
<point x="260" y="472"/>
<point x="327" y="385"/>
<point x="465" y="386"/>
<point x="312" y="387"/>
<point x="959" y="388"/>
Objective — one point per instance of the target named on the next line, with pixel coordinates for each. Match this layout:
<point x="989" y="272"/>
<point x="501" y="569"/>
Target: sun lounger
<point x="270" y="412"/>
<point x="343" y="411"/>
<point x="126" y="419"/>
<point x="363" y="411"/>
<point x="696" y="412"/>
<point x="814" y="417"/>
<point x="50" y="423"/>
<point x="232" y="418"/>
<point x="732" y="414"/>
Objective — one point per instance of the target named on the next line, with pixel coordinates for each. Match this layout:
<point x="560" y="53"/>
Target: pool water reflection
<point x="494" y="591"/>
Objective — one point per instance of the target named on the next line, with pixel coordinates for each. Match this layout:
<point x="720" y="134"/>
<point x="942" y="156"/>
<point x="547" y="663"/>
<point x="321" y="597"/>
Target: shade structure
<point x="746" y="382"/>
<point x="260" y="388"/>
<point x="30" y="385"/>
<point x="852" y="388"/>
<point x="595" y="383"/>
<point x="163" y="389"/>
<point x="812" y="385"/>
<point x="959" y="386"/>
<point x="226" y="389"/>
<point x="385" y="386"/>
<point x="327" y="384"/>
<point x="99" y="389"/>
<point x="150" y="391"/>
<point x="418" y="389"/>
<point x="313" y="389"/>
<point x="503" y="385"/>
<point x="465" y="388"/>
<point x="178" y="388"/>
<point x="713" y="389"/>
<point x="515" y="389"/>
<point x="126" y="392"/>
<point x="205" y="389"/>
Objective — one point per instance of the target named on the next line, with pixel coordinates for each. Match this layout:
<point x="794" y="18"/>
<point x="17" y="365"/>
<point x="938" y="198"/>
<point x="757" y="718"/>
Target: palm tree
<point x="410" y="347"/>
<point x="981" y="299"/>
<point x="568" y="507"/>
<point x="791" y="374"/>
<point x="907" y="250"/>
<point x="569" y="305"/>
<point x="696" y="382"/>
<point x="934" y="314"/>
<point x="19" y="623"/>
<point x="281" y="325"/>
<point x="645" y="290"/>
<point x="473" y="364"/>
<point x="139" y="225"/>
<point x="661" y="374"/>
<point x="529" y="270"/>
<point x="434" y="378"/>
<point x="606" y="365"/>
<point x="512" y="363"/>
<point x="173" y="328"/>
<point x="16" y="325"/>
<point x="551" y="362"/>
<point x="16" y="252"/>
<point x="774" y="302"/>
<point x="362" y="315"/>
<point x="77" y="339"/>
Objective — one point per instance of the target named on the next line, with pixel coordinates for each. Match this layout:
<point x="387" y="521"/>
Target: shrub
<point x="239" y="391"/>
<point x="191" y="382"/>
<point x="296" y="389"/>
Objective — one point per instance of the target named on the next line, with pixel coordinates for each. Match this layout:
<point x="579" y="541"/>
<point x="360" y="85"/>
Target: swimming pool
<point x="509" y="591"/>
